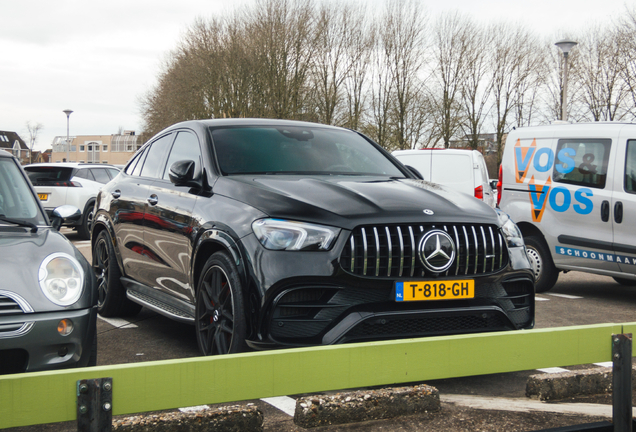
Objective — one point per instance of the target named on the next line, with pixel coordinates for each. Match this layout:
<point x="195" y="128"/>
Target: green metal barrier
<point x="48" y="397"/>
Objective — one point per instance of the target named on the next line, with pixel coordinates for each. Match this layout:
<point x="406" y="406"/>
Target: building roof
<point x="8" y="139"/>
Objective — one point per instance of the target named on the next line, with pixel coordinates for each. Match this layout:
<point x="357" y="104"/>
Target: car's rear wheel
<point x="84" y="230"/>
<point x="545" y="272"/>
<point x="220" y="317"/>
<point x="112" y="300"/>
<point x="625" y="281"/>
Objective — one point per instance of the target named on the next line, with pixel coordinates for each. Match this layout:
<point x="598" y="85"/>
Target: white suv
<point x="76" y="184"/>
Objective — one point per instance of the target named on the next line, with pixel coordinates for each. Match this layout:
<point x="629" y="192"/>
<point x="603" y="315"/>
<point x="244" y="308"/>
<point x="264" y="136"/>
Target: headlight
<point x="510" y="230"/>
<point x="279" y="234"/>
<point x="61" y="279"/>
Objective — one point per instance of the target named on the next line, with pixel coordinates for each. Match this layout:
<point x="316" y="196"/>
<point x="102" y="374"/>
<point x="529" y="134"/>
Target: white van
<point x="571" y="189"/>
<point x="461" y="170"/>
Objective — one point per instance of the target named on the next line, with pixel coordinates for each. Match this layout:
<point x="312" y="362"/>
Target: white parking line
<point x="567" y="296"/>
<point x="553" y="370"/>
<point x="283" y="403"/>
<point x="541" y="298"/>
<point x="605" y="364"/>
<point x="118" y="322"/>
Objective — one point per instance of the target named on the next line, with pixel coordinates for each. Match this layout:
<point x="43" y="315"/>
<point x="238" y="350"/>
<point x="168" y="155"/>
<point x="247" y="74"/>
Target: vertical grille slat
<point x="391" y="251"/>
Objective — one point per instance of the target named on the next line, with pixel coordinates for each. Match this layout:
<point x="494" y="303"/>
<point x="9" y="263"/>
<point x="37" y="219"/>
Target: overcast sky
<point x="98" y="58"/>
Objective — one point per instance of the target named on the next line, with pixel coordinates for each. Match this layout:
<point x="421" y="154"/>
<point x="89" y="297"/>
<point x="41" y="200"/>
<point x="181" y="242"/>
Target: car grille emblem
<point x="429" y="212"/>
<point x="437" y="251"/>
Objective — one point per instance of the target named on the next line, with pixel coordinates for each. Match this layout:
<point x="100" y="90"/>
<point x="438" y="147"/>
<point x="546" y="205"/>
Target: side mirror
<point x="181" y="173"/>
<point x="64" y="213"/>
<point x="493" y="184"/>
<point x="415" y="172"/>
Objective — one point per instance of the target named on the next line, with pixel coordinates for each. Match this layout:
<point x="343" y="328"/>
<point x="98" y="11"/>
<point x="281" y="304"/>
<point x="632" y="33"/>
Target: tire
<point x="84" y="230"/>
<point x="220" y="313"/>
<point x="545" y="273"/>
<point x="625" y="281"/>
<point x="112" y="300"/>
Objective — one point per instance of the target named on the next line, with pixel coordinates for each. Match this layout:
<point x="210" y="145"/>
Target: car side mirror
<point x="64" y="213"/>
<point x="415" y="172"/>
<point x="493" y="184"/>
<point x="181" y="173"/>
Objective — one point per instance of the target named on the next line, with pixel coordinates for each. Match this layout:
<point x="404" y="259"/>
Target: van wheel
<point x="625" y="281"/>
<point x="545" y="273"/>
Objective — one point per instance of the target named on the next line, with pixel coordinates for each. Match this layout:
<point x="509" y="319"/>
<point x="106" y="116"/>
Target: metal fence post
<point x="622" y="382"/>
<point x="95" y="405"/>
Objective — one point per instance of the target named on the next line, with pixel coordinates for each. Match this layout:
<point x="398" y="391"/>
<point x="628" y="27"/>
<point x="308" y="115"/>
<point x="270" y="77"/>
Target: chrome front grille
<point x="13" y="305"/>
<point x="390" y="251"/>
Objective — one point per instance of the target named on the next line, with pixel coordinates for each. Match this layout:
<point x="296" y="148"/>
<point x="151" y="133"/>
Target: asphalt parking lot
<point x="577" y="299"/>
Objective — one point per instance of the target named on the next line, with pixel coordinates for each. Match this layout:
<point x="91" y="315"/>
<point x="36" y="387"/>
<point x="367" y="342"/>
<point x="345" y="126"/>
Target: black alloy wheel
<point x="84" y="230"/>
<point x="111" y="300"/>
<point x="220" y="320"/>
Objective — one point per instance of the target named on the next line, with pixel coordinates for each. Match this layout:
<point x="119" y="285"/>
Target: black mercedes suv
<point x="269" y="233"/>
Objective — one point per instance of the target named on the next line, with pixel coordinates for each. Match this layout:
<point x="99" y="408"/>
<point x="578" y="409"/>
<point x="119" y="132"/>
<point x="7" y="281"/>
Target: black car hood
<point x="22" y="253"/>
<point x="348" y="201"/>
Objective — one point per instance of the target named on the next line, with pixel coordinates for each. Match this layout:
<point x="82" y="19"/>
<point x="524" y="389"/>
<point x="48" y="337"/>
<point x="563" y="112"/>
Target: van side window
<point x="582" y="162"/>
<point x="630" y="167"/>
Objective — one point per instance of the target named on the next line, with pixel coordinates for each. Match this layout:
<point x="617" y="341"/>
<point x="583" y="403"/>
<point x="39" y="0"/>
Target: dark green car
<point x="48" y="293"/>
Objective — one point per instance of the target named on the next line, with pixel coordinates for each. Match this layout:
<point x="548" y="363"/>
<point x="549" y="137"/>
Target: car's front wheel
<point x="545" y="272"/>
<point x="112" y="300"/>
<point x="220" y="317"/>
<point x="84" y="230"/>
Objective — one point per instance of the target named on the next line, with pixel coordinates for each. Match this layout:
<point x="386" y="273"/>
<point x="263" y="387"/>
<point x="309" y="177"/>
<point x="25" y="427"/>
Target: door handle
<point x="618" y="212"/>
<point x="153" y="199"/>
<point x="116" y="194"/>
<point x="605" y="211"/>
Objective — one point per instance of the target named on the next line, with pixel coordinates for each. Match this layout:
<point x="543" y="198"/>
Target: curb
<point x="235" y="418"/>
<point x="553" y="386"/>
<point x="359" y="406"/>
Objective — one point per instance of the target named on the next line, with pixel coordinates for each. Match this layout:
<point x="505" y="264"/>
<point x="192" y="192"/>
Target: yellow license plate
<point x="434" y="290"/>
<point x="43" y="196"/>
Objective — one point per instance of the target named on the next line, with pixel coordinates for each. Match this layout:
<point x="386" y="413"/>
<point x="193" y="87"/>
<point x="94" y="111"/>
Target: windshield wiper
<point x="22" y="223"/>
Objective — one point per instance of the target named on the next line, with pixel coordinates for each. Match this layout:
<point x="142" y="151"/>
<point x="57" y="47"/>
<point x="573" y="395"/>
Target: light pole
<point x="68" y="142"/>
<point x="566" y="45"/>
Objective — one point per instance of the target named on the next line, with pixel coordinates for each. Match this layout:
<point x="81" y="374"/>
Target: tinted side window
<point x="153" y="165"/>
<point x="113" y="172"/>
<point x="136" y="161"/>
<point x="630" y="167"/>
<point x="84" y="173"/>
<point x="100" y="175"/>
<point x="582" y="162"/>
<point x="185" y="147"/>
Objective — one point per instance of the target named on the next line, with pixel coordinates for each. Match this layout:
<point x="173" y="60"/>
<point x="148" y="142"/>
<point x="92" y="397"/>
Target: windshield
<point x="298" y="150"/>
<point x="16" y="200"/>
<point x="49" y="175"/>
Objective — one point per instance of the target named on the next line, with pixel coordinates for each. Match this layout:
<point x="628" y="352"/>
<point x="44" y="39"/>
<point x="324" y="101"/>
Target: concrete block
<point x="358" y="406"/>
<point x="571" y="383"/>
<point x="225" y="419"/>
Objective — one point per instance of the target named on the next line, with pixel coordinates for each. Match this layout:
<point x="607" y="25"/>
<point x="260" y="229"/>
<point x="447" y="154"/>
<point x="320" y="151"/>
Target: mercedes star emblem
<point x="437" y="251"/>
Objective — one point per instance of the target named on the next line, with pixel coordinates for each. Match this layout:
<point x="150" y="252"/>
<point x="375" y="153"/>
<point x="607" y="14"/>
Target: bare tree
<point x="627" y="46"/>
<point x="475" y="86"/>
<point x="33" y="130"/>
<point x="453" y="39"/>
<point x="509" y="71"/>
<point x="600" y="75"/>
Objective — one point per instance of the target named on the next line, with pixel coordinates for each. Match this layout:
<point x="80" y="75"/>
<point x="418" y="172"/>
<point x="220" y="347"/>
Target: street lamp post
<point x="68" y="142"/>
<point x="566" y="45"/>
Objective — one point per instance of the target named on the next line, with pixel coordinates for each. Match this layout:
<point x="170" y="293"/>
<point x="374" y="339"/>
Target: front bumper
<point x="31" y="342"/>
<point x="328" y="305"/>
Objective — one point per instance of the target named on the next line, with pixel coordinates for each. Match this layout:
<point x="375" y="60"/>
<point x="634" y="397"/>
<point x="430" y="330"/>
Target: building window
<point x="81" y="161"/>
<point x="90" y="148"/>
<point x="82" y="148"/>
<point x="105" y="162"/>
<point x="105" y="148"/>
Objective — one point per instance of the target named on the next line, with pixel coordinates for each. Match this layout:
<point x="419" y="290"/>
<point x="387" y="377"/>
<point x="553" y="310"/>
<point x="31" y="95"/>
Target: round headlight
<point x="61" y="279"/>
